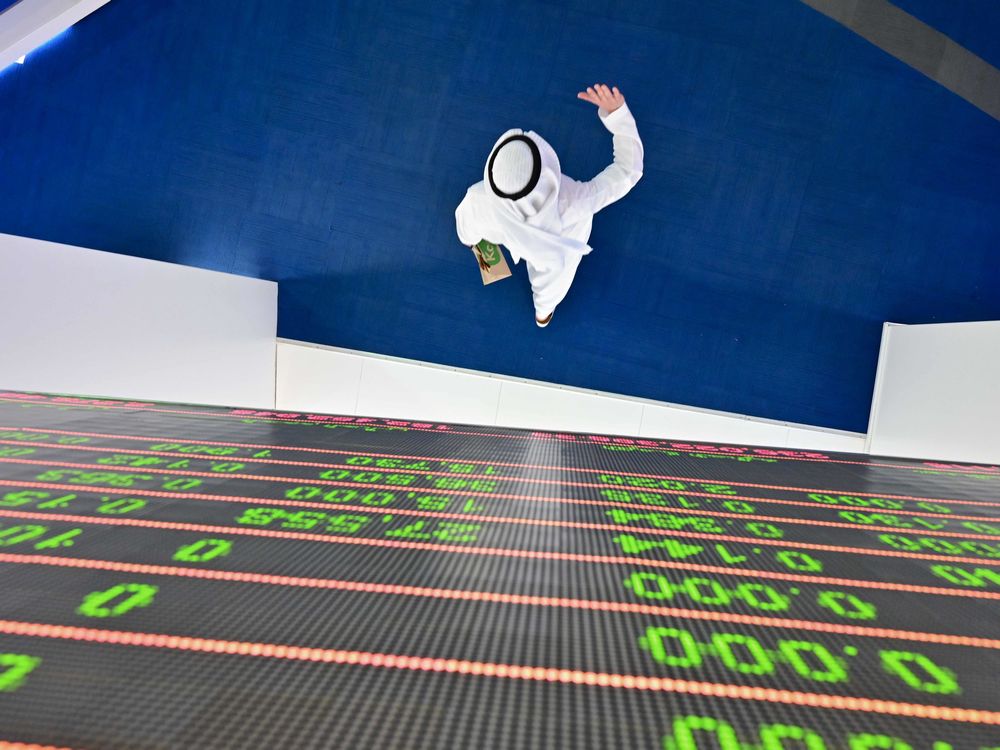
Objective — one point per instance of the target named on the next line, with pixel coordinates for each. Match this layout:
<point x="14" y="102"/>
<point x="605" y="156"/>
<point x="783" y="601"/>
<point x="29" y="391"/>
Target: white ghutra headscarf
<point x="522" y="178"/>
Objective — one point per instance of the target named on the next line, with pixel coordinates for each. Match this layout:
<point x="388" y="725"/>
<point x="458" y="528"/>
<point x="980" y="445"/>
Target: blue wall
<point x="801" y="186"/>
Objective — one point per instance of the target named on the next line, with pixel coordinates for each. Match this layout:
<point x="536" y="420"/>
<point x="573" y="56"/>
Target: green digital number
<point x="763" y="597"/>
<point x="684" y="729"/>
<point x="846" y="605"/>
<point x="260" y="516"/>
<point x="940" y="546"/>
<point x="203" y="550"/>
<point x="99" y="603"/>
<point x="738" y="506"/>
<point x="368" y="477"/>
<point x="182" y="483"/>
<point x="981" y="528"/>
<point x="346" y="524"/>
<point x="765" y="530"/>
<point x="120" y="506"/>
<point x="693" y="732"/>
<point x="707" y="591"/>
<point x="799" y="561"/>
<point x="12" y="451"/>
<point x="446" y="531"/>
<point x="377" y="498"/>
<point x="877" y="742"/>
<point x="30" y="532"/>
<point x="744" y="654"/>
<point x="119" y="459"/>
<point x="473" y="485"/>
<point x="303" y="520"/>
<point x="828" y="669"/>
<point x="631" y="545"/>
<point x="655" y="641"/>
<point x="22" y="497"/>
<point x="14" y="668"/>
<point x="210" y="450"/>
<point x="773" y="736"/>
<point x="758" y="663"/>
<point x="919" y="672"/>
<point x="25" y="436"/>
<point x="858" y="502"/>
<point x="978" y="578"/>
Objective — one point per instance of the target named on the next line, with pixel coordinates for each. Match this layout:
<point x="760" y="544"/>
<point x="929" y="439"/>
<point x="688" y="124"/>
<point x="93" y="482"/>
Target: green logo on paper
<point x="490" y="252"/>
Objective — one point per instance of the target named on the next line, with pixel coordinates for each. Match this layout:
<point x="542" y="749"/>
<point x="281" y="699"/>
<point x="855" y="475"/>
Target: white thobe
<point x="551" y="270"/>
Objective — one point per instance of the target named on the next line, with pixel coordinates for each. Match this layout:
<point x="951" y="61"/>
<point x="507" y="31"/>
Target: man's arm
<point x="466" y="223"/>
<point x="468" y="216"/>
<point x="622" y="175"/>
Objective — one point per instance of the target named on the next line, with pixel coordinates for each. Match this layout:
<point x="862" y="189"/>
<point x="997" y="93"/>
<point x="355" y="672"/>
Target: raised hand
<point x="607" y="99"/>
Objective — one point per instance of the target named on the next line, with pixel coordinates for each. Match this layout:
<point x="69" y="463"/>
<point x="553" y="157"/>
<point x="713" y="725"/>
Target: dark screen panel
<point x="190" y="576"/>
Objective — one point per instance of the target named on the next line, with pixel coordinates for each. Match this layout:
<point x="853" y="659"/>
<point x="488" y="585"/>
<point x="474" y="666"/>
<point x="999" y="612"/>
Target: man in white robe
<point x="527" y="204"/>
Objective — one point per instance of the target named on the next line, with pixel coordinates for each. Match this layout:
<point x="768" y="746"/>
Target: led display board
<point x="181" y="576"/>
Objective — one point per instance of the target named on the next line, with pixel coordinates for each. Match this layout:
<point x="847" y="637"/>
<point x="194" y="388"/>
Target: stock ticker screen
<point x="179" y="576"/>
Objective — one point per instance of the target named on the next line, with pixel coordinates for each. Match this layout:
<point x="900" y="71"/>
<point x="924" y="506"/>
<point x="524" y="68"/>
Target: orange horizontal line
<point x="491" y="597"/>
<point x="500" y="478"/>
<point x="512" y="520"/>
<point x="611" y="440"/>
<point x="499" y="671"/>
<point x="501" y="552"/>
<point x="264" y="446"/>
<point x="525" y="498"/>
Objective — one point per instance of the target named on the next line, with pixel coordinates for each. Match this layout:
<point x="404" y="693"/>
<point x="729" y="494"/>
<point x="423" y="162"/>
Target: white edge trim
<point x="571" y="389"/>
<point x="883" y="354"/>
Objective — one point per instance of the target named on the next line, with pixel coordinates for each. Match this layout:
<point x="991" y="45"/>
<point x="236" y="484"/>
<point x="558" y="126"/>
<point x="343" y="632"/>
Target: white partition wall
<point x="100" y="324"/>
<point x="937" y="394"/>
<point x="30" y="23"/>
<point x="326" y="379"/>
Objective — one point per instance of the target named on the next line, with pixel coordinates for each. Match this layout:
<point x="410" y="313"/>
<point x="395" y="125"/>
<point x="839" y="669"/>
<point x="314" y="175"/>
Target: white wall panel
<point x="681" y="424"/>
<point x="100" y="324"/>
<point x="937" y="394"/>
<point x="30" y="23"/>
<point x="318" y="380"/>
<point x="843" y="442"/>
<point x="391" y="388"/>
<point x="551" y="408"/>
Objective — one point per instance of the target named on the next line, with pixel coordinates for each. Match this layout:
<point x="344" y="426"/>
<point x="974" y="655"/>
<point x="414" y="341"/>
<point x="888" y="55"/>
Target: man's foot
<point x="544" y="321"/>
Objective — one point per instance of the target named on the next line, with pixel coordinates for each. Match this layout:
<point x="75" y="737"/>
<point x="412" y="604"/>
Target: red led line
<point x="365" y="587"/>
<point x="500" y="552"/>
<point x="244" y="417"/>
<point x="5" y="745"/>
<point x="494" y="463"/>
<point x="508" y="496"/>
<point x="499" y="478"/>
<point x="521" y="521"/>
<point x="490" y="669"/>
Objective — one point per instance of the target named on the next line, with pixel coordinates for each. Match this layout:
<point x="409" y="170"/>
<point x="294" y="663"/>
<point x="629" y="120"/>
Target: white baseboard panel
<point x="311" y="377"/>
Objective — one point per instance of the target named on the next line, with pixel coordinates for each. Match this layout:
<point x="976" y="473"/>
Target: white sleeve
<point x="468" y="217"/>
<point x="620" y="176"/>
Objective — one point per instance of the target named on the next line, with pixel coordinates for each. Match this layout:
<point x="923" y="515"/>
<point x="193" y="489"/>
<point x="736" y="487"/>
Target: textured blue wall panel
<point x="801" y="186"/>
